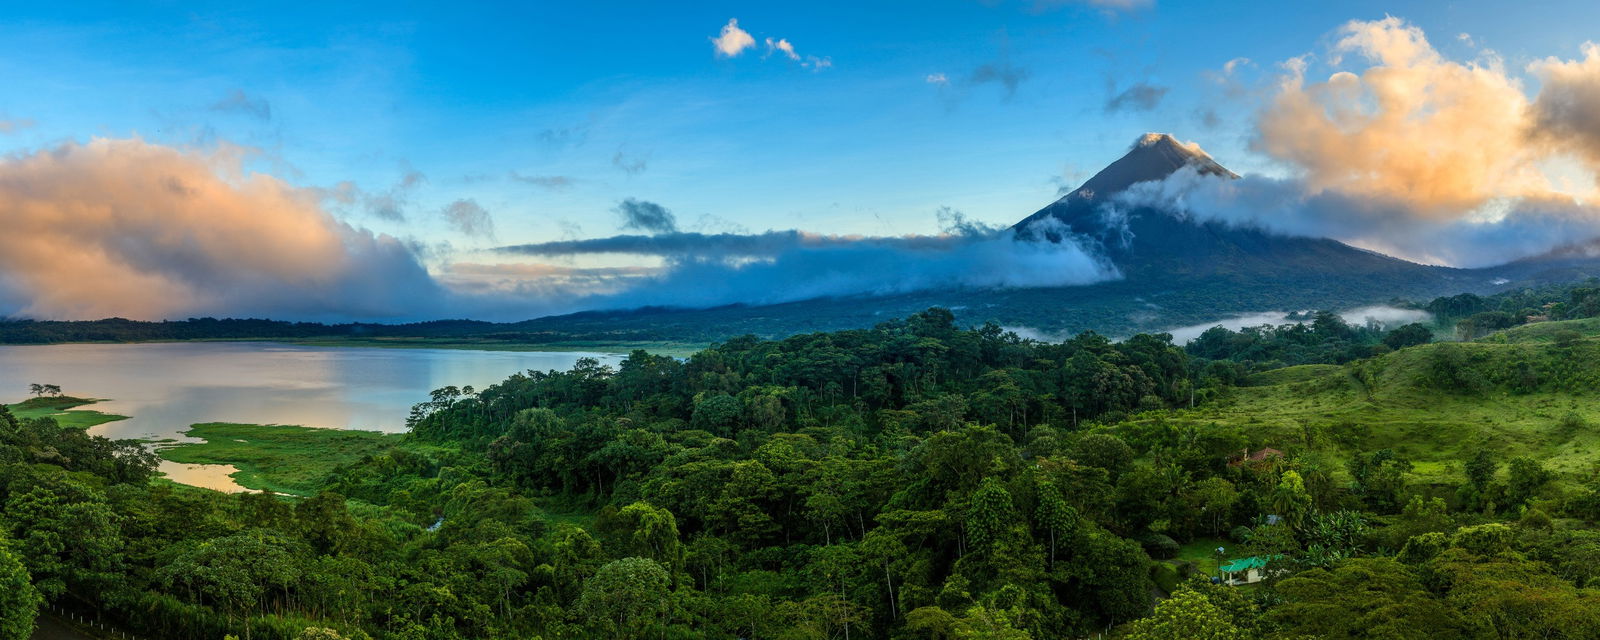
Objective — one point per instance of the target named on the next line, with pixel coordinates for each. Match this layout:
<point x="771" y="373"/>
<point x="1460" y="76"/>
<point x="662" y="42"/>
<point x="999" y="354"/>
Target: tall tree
<point x="625" y="599"/>
<point x="1290" y="500"/>
<point x="990" y="516"/>
<point x="1187" y="615"/>
<point x="19" y="601"/>
<point x="1053" y="517"/>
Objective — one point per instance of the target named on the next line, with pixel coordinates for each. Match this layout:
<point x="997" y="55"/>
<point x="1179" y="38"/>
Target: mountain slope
<point x="1564" y="264"/>
<point x="1149" y="243"/>
<point x="1153" y="156"/>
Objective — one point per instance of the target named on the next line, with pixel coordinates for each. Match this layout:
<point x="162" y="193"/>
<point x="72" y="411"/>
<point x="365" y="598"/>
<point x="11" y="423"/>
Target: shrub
<point x="1160" y="546"/>
<point x="1483" y="539"/>
<point x="1408" y="336"/>
<point x="1568" y="427"/>
<point x="1422" y="548"/>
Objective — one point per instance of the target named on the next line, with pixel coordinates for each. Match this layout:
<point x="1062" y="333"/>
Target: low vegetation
<point x="278" y="458"/>
<point x="63" y="409"/>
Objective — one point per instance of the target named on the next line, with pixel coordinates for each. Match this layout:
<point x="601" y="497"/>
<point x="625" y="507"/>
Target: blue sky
<point x="547" y="116"/>
<point x="468" y="93"/>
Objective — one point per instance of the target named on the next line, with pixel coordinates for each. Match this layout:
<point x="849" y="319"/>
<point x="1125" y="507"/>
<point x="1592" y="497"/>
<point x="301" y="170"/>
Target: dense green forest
<point x="912" y="480"/>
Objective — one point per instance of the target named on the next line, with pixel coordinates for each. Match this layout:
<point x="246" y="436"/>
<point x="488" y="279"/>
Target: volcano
<point x="1149" y="243"/>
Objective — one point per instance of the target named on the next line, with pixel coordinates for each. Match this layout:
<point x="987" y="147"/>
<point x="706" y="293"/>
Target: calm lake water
<point x="165" y="387"/>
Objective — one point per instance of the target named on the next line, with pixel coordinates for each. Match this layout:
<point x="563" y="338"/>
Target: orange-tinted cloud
<point x="130" y="228"/>
<point x="1410" y="125"/>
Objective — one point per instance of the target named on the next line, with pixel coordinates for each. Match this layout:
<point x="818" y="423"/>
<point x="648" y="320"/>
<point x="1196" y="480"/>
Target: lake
<point x="165" y="387"/>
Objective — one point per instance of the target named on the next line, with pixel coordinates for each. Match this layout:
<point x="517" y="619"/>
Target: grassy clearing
<point x="281" y="458"/>
<point x="1202" y="552"/>
<point x="61" y="408"/>
<point x="1533" y="398"/>
<point x="1543" y="332"/>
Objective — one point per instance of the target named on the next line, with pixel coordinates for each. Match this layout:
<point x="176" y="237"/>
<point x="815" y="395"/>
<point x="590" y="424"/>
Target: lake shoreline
<point x="283" y="459"/>
<point x="157" y="393"/>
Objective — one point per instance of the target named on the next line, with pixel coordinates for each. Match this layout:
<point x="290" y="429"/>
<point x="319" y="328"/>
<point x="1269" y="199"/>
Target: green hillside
<point x="1542" y="332"/>
<point x="1518" y="394"/>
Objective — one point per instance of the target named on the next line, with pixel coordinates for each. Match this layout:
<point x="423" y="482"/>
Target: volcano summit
<point x="1160" y="244"/>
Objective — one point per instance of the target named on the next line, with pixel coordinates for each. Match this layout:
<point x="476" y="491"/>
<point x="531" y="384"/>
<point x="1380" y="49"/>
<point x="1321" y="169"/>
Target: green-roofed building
<point x="1246" y="570"/>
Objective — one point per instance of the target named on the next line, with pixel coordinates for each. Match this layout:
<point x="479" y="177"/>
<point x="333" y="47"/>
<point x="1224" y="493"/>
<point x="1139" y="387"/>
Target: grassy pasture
<point x="1522" y="395"/>
<point x="62" y="408"/>
<point x="282" y="458"/>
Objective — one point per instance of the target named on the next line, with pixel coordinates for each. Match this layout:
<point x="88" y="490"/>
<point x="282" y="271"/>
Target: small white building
<point x="1245" y="570"/>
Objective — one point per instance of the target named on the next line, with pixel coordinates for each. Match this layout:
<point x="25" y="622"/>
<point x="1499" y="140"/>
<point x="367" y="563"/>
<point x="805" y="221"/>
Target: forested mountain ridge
<point x="913" y="480"/>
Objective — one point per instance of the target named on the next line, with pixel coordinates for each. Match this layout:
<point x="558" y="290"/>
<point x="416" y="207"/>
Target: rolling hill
<point x="1514" y="393"/>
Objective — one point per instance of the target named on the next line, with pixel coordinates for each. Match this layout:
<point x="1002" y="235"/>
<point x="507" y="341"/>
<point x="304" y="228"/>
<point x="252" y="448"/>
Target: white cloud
<point x="1389" y="317"/>
<point x="783" y="46"/>
<point x="733" y="40"/>
<point x="938" y="79"/>
<point x="786" y="49"/>
<point x="782" y="266"/>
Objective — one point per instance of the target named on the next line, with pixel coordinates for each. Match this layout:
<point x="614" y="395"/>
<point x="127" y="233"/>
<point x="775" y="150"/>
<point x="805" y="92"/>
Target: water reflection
<point x="210" y="476"/>
<point x="165" y="387"/>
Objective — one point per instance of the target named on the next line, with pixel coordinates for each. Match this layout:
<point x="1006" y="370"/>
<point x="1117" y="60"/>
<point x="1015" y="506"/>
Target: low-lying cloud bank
<point x="1502" y="231"/>
<point x="1404" y="151"/>
<point x="782" y="266"/>
<point x="768" y="244"/>
<point x="1385" y="316"/>
<point x="1388" y="317"/>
